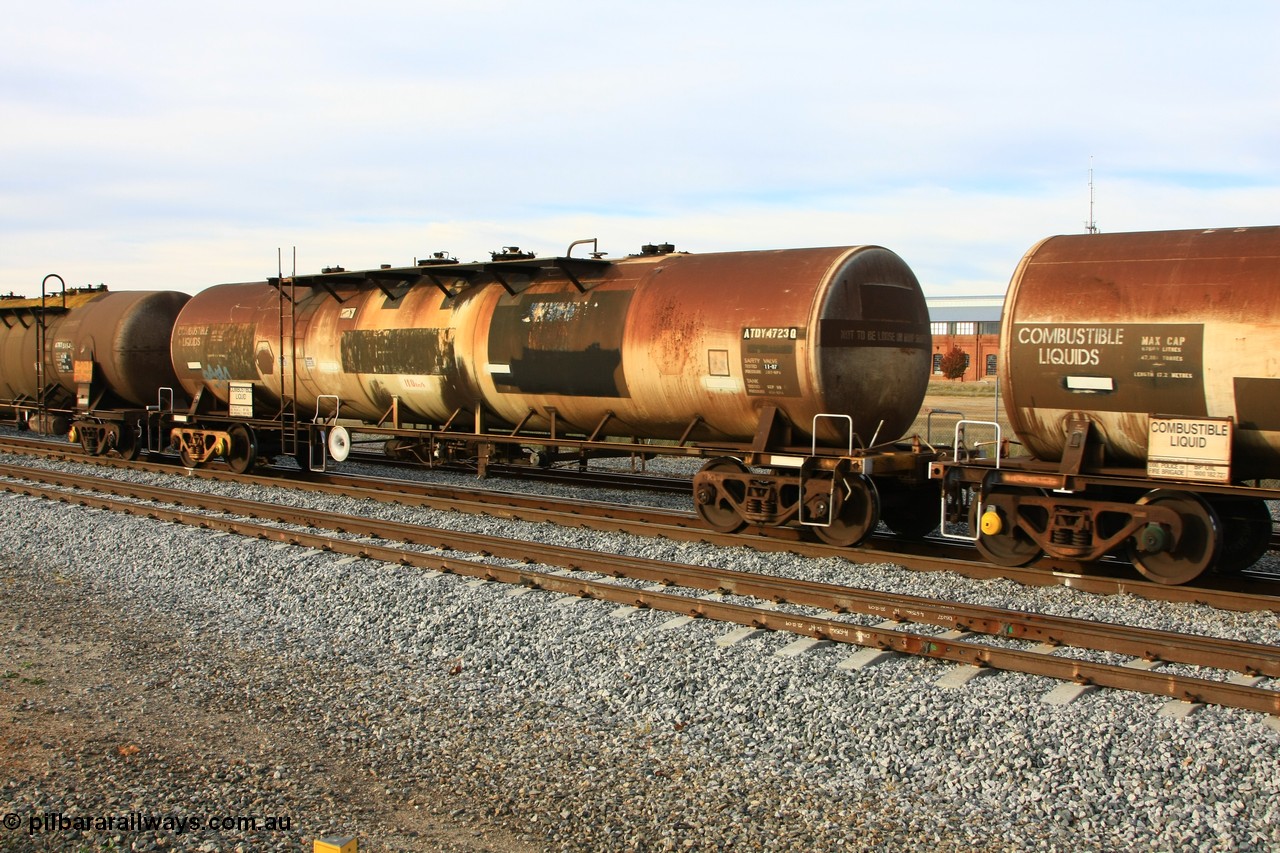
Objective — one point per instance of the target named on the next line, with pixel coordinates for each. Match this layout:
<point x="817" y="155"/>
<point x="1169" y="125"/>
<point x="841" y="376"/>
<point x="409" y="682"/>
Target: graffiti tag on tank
<point x="225" y="351"/>
<point x="557" y="344"/>
<point x="1110" y="367"/>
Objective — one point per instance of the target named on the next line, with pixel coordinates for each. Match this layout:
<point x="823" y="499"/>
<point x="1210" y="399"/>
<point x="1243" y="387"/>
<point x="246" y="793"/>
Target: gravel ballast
<point x="159" y="669"/>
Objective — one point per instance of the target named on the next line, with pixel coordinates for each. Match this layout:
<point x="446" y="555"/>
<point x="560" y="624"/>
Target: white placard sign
<point x="240" y="400"/>
<point x="1190" y="448"/>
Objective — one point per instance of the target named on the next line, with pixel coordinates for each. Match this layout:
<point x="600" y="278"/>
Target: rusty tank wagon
<point x="87" y="349"/>
<point x="1140" y="373"/>
<point x="759" y="358"/>
<point x="653" y="346"/>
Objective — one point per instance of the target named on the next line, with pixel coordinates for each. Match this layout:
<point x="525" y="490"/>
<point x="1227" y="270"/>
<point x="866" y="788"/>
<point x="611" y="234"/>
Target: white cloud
<point x="158" y="145"/>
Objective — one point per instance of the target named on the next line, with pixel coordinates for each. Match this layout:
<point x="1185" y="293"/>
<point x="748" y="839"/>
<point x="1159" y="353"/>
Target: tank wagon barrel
<point x="654" y="346"/>
<point x="1180" y="323"/>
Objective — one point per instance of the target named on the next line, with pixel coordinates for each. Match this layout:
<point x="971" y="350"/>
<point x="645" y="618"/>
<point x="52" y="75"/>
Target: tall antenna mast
<point x="1091" y="226"/>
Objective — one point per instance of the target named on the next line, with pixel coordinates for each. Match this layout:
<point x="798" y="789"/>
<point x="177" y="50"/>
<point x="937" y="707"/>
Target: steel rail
<point x="932" y="555"/>
<point x="1154" y="645"/>
<point x="1225" y="593"/>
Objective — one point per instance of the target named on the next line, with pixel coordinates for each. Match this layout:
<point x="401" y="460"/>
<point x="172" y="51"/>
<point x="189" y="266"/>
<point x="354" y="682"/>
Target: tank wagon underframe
<point x="841" y="495"/>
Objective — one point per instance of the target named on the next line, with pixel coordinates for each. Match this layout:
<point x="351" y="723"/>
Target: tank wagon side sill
<point x="1025" y="471"/>
<point x="517" y="442"/>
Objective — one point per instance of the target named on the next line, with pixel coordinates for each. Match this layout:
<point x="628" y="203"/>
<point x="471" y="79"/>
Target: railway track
<point x="1239" y="592"/>
<point x="984" y="637"/>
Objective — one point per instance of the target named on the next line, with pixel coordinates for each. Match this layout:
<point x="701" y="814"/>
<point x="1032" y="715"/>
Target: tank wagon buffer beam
<point x="841" y="495"/>
<point x="1081" y="511"/>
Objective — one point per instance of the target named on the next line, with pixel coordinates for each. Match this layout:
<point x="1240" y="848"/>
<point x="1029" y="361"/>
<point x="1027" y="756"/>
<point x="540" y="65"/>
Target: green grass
<point x="945" y="388"/>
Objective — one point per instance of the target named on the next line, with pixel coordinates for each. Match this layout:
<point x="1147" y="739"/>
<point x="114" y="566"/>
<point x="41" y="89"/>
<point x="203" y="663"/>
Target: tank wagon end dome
<point x="874" y="341"/>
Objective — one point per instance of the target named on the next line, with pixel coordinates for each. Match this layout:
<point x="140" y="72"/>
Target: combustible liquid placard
<point x="1190" y="448"/>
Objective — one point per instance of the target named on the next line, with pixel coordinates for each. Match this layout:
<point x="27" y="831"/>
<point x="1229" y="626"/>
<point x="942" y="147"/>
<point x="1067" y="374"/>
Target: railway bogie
<point x="114" y="433"/>
<point x="837" y="497"/>
<point x="1171" y="532"/>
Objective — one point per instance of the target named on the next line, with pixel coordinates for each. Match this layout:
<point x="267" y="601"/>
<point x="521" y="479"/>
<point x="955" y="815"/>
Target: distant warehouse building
<point x="971" y="323"/>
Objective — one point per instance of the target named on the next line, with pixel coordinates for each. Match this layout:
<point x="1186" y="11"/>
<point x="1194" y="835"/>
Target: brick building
<point x="971" y="323"/>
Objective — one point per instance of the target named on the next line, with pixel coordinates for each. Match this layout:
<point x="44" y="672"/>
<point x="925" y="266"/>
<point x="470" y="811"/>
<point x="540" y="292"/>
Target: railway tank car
<point x="96" y="349"/>
<point x="769" y="355"/>
<point x="1182" y="323"/>
<point x="1142" y="370"/>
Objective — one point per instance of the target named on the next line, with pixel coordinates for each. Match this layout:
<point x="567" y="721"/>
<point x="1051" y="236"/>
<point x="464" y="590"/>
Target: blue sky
<point x="159" y="145"/>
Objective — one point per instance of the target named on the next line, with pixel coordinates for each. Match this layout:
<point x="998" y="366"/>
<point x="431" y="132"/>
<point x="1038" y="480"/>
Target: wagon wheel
<point x="1006" y="544"/>
<point x="1195" y="550"/>
<point x="1246" y="533"/>
<point x="912" y="512"/>
<point x="242" y="449"/>
<point x="855" y="512"/>
<point x="128" y="442"/>
<point x="713" y="507"/>
<point x="188" y="461"/>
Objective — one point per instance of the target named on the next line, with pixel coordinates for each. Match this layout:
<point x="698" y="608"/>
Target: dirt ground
<point x="971" y="407"/>
<point x="95" y="722"/>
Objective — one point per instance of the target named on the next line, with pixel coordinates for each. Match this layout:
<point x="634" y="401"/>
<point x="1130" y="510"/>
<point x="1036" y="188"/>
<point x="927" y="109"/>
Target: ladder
<point x="288" y="415"/>
<point x="42" y="335"/>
